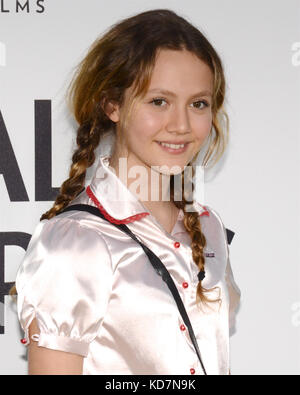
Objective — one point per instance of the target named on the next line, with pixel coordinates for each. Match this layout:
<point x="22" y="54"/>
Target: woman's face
<point x="176" y="110"/>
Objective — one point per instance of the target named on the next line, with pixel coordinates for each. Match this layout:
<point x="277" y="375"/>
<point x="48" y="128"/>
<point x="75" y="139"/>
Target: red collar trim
<point x="204" y="212"/>
<point x="110" y="218"/>
<point x="125" y="220"/>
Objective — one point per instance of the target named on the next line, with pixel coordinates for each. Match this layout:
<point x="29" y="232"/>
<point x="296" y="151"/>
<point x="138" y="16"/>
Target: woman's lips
<point x="173" y="150"/>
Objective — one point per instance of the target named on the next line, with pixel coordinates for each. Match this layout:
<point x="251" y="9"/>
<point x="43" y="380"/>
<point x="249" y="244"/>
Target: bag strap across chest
<point x="158" y="266"/>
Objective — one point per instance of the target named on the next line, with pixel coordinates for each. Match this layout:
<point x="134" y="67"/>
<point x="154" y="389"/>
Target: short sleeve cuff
<point x="63" y="343"/>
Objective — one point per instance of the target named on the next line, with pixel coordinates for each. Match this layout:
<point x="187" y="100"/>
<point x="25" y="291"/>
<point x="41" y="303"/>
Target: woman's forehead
<point x="177" y="73"/>
<point x="174" y="68"/>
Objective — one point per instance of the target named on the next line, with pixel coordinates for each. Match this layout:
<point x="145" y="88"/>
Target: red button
<point x="185" y="285"/>
<point x="193" y="371"/>
<point x="23" y="341"/>
<point x="182" y="327"/>
<point x="176" y="244"/>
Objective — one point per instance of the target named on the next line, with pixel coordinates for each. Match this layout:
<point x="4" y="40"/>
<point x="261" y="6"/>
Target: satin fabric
<point x="94" y="292"/>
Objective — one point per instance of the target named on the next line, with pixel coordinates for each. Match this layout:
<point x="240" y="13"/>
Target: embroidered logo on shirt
<point x="210" y="254"/>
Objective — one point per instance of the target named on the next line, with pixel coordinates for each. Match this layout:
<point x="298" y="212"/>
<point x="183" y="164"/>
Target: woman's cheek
<point x="204" y="126"/>
<point x="151" y="123"/>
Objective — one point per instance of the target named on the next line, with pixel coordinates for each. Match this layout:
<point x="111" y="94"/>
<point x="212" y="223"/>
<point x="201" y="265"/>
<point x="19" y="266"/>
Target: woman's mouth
<point x="173" y="148"/>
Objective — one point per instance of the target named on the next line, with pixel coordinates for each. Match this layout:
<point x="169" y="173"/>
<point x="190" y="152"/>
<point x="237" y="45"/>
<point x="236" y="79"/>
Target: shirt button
<point x="193" y="371"/>
<point x="185" y="285"/>
<point x="182" y="327"/>
<point x="176" y="244"/>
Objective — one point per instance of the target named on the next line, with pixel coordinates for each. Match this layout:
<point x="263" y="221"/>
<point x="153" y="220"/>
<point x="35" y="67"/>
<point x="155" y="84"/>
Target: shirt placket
<point x="187" y="289"/>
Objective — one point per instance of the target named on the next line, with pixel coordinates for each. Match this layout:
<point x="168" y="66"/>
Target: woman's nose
<point x="179" y="121"/>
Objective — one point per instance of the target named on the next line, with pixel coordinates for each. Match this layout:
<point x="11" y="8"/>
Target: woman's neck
<point x="146" y="183"/>
<point x="150" y="187"/>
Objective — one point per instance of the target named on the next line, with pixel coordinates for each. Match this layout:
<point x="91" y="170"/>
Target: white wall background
<point x="255" y="188"/>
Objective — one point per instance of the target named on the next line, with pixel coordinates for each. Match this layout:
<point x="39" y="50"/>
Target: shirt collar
<point x="116" y="202"/>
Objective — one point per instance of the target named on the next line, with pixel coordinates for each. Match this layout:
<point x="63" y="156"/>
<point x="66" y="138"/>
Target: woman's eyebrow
<point x="167" y="92"/>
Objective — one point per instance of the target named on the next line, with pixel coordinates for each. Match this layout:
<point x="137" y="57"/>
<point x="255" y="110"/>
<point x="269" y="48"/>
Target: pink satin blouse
<point x="94" y="292"/>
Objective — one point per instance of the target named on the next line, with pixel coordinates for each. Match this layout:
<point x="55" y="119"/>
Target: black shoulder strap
<point x="157" y="264"/>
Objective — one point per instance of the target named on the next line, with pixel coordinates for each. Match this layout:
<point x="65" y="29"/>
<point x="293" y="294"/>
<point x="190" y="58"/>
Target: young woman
<point x="89" y="300"/>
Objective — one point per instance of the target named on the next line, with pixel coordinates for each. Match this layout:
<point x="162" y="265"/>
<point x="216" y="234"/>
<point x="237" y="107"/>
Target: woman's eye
<point x="205" y="104"/>
<point x="198" y="104"/>
<point x="157" y="102"/>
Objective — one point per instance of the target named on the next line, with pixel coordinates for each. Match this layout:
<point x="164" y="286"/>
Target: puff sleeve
<point x="64" y="281"/>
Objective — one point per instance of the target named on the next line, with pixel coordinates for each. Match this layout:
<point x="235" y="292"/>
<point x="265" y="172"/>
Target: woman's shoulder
<point x="64" y="247"/>
<point x="213" y="226"/>
<point x="69" y="229"/>
<point x="209" y="214"/>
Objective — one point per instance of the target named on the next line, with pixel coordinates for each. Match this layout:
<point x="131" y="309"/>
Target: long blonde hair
<point x="122" y="57"/>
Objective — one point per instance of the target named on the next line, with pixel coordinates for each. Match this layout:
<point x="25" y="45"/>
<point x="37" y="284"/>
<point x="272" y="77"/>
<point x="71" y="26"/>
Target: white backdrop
<point x="255" y="188"/>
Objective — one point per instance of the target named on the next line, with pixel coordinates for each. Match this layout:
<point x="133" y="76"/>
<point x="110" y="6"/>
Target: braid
<point x="88" y="137"/>
<point x="192" y="225"/>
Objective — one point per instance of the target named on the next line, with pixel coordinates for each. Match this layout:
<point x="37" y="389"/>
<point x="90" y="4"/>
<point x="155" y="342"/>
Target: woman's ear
<point x="112" y="110"/>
